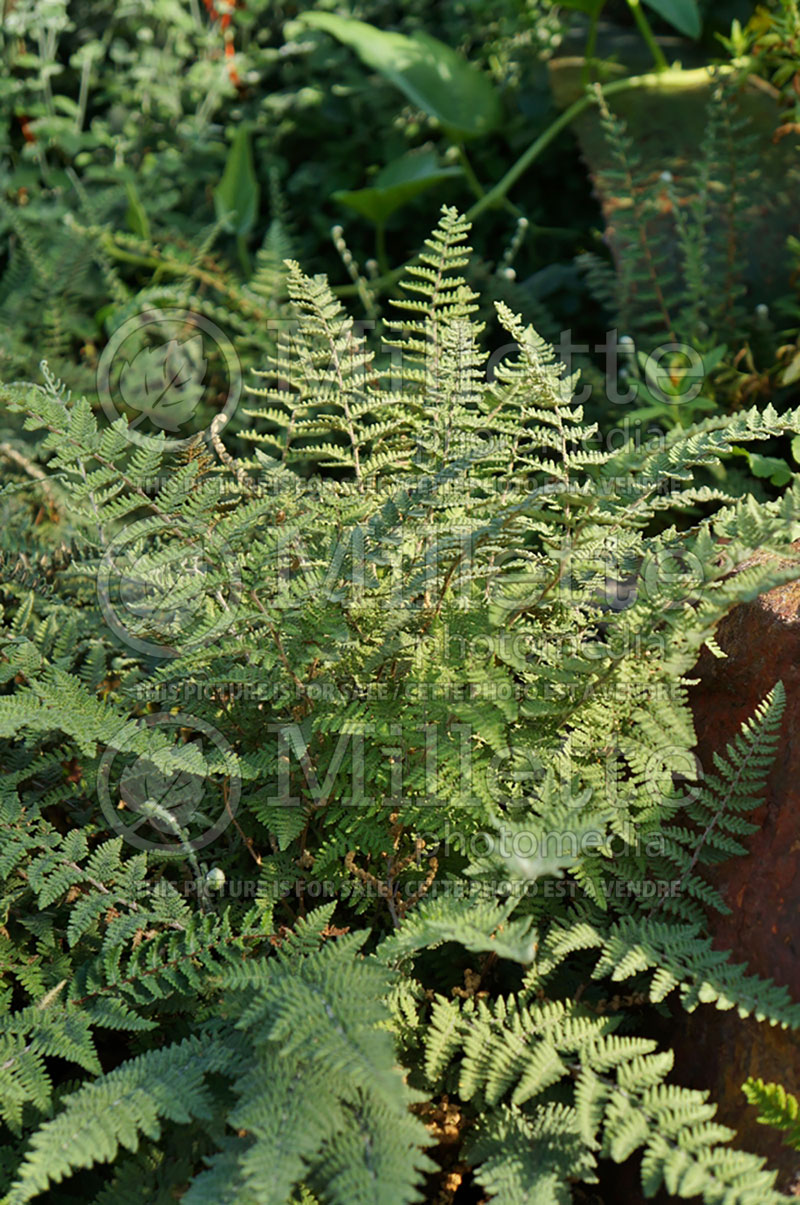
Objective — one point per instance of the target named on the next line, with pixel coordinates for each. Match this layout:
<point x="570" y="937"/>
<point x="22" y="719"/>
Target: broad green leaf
<point x="683" y="15"/>
<point x="796" y="448"/>
<point x="769" y="467"/>
<point x="432" y="75"/>
<point x="396" y="184"/>
<point x="792" y="373"/>
<point x="236" y="195"/>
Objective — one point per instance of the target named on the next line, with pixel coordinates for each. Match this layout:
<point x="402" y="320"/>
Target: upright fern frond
<point x="672" y="235"/>
<point x="325" y="384"/>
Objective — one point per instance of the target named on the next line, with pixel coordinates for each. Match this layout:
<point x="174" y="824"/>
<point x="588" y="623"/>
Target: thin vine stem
<point x="671" y="79"/>
<point x="644" y="29"/>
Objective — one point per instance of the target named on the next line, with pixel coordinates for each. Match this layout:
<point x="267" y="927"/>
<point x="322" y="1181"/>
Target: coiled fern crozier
<point x="452" y="791"/>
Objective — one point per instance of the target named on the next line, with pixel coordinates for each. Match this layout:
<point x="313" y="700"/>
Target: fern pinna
<point x="352" y="778"/>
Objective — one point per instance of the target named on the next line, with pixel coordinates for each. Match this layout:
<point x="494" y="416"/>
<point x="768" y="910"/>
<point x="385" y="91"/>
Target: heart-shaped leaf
<point x="396" y="184"/>
<point x="432" y="75"/>
<point x="683" y="15"/>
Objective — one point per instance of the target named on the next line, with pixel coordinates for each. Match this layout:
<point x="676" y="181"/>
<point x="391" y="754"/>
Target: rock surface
<point x="716" y="1049"/>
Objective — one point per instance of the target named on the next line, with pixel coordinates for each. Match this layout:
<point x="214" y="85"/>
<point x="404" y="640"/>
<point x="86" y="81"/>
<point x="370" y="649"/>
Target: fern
<point x="776" y="1107"/>
<point x="660" y="293"/>
<point x="672" y="231"/>
<point x="99" y="1118"/>
<point x="338" y="778"/>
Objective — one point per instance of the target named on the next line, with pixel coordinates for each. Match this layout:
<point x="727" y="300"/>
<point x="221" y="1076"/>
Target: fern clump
<point x="698" y="240"/>
<point x="356" y="774"/>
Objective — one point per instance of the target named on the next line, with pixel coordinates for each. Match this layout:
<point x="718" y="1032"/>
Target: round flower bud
<point x="215" y="879"/>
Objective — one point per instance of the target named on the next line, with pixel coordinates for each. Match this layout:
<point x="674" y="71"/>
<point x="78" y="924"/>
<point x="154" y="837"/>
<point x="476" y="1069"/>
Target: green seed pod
<point x="215" y="879"/>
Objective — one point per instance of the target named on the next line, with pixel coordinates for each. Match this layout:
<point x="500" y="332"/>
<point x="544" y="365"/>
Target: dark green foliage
<point x="123" y="128"/>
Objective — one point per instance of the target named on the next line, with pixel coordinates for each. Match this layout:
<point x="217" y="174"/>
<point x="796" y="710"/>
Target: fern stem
<point x="152" y="807"/>
<point x="7" y="452"/>
<point x="174" y="267"/>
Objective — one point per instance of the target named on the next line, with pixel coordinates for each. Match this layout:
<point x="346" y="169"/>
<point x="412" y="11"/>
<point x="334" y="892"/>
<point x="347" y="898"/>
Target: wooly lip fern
<point x="354" y="854"/>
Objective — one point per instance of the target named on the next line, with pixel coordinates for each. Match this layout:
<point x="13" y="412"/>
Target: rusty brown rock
<point x="717" y="1050"/>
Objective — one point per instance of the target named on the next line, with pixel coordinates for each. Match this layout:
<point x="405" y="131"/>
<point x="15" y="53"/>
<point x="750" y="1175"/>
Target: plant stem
<point x="380" y="247"/>
<point x="644" y="29"/>
<point x="672" y="78"/>
<point x="472" y="179"/>
<point x="591" y="46"/>
<point x="244" y="255"/>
